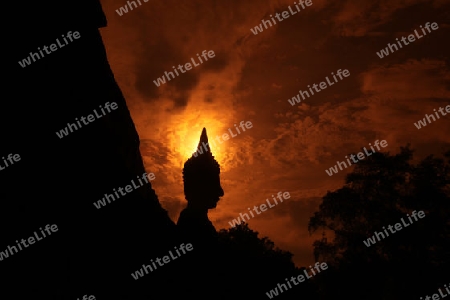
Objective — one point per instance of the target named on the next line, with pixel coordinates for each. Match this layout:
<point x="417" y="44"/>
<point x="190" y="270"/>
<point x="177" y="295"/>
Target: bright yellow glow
<point x="188" y="144"/>
<point x="186" y="136"/>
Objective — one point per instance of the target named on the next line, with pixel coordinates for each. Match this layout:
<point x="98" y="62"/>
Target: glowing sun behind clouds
<point x="186" y="134"/>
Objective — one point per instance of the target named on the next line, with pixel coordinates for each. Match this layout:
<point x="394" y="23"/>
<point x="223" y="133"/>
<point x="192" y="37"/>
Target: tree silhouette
<point x="379" y="192"/>
<point x="256" y="265"/>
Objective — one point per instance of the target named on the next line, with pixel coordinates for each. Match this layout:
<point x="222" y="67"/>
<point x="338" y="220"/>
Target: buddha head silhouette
<point x="201" y="176"/>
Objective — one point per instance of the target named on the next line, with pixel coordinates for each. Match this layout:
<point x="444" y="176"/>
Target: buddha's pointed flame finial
<point x="203" y="143"/>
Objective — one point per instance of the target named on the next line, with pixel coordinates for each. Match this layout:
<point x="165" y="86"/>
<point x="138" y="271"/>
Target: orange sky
<point x="252" y="77"/>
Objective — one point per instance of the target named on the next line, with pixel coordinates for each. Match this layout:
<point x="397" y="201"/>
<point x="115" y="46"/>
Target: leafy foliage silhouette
<point x="256" y="264"/>
<point x="379" y="192"/>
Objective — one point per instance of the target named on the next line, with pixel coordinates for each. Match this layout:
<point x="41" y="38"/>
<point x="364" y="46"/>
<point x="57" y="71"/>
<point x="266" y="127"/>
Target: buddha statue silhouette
<point x="202" y="190"/>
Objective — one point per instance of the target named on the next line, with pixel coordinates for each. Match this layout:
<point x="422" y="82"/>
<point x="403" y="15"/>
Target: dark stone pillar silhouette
<point x="57" y="180"/>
